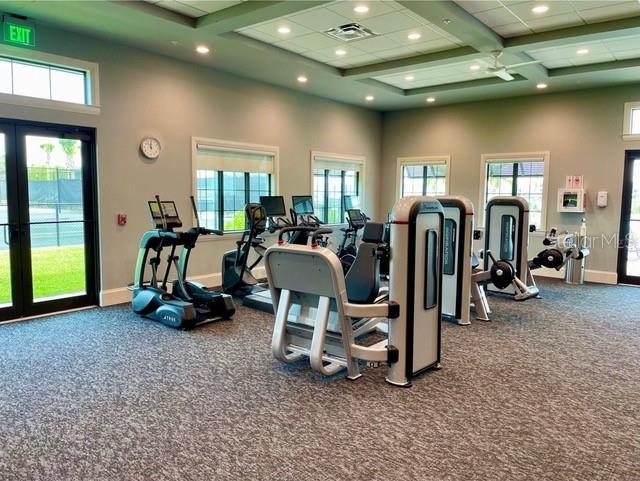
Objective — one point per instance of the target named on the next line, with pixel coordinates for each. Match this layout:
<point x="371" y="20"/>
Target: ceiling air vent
<point x="350" y="32"/>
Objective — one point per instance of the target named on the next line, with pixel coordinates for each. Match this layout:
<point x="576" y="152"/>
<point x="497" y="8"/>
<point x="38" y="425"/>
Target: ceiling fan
<point x="500" y="70"/>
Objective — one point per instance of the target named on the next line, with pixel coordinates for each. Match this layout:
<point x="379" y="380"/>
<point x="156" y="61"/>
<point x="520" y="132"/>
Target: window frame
<point x="346" y="159"/>
<point x="627" y="135"/>
<point x="90" y="69"/>
<point x="508" y="158"/>
<point x="270" y="150"/>
<point x="422" y="160"/>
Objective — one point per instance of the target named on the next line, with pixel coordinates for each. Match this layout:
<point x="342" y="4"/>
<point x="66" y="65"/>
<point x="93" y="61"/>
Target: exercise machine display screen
<point x="170" y="214"/>
<point x="302" y="204"/>
<point x="273" y="205"/>
<point x="351" y="202"/>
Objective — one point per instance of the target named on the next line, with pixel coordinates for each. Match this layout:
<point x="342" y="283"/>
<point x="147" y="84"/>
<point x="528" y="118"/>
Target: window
<point x="227" y="176"/>
<point x="423" y="176"/>
<point x="334" y="177"/>
<point x="631" y="121"/>
<point x="520" y="175"/>
<point x="45" y="80"/>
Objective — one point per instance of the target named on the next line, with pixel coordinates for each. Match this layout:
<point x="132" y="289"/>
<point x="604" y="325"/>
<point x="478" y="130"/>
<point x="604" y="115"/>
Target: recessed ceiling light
<point x="409" y="78"/>
<point x="541" y="86"/>
<point x="284" y="30"/>
<point x="202" y="49"/>
<point x="302" y="79"/>
<point x="414" y="36"/>
<point x="540" y="9"/>
<point x="369" y="98"/>
<point x="431" y="99"/>
<point x="475" y="67"/>
<point x="340" y="52"/>
<point x="361" y="9"/>
<point x="582" y="51"/>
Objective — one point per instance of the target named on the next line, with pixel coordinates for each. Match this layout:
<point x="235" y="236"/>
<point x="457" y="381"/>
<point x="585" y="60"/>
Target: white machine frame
<point x="314" y="318"/>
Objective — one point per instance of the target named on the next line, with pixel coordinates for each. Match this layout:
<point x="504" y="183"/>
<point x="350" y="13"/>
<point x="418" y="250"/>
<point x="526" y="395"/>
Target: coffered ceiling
<point x="402" y="52"/>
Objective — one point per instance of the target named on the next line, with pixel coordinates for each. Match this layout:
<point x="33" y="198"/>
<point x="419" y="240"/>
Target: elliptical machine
<point x="189" y="304"/>
<point x="347" y="250"/>
<point x="237" y="278"/>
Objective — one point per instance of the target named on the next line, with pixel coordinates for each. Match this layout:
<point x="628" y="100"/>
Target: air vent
<point x="350" y="32"/>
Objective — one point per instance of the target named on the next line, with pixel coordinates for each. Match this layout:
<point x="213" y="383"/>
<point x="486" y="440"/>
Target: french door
<point x="48" y="226"/>
<point x="629" y="253"/>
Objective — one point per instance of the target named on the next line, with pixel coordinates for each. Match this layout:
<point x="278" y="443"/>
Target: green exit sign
<point x="17" y="34"/>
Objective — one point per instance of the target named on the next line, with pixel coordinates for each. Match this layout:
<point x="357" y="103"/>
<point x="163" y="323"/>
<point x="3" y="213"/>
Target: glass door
<point x="10" y="290"/>
<point x="57" y="217"/>
<point x="629" y="255"/>
<point x="47" y="219"/>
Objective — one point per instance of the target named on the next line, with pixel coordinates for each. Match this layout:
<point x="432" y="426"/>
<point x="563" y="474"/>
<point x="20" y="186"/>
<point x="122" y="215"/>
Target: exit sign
<point x="19" y="34"/>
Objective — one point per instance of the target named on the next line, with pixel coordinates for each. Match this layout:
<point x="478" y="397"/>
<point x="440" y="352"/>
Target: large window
<point x="333" y="178"/>
<point x="423" y="176"/>
<point x="39" y="79"/>
<point x="631" y="121"/>
<point x="518" y="176"/>
<point x="227" y="177"/>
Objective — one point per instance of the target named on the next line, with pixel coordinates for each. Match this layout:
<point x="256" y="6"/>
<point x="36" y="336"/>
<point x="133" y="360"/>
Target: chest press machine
<point x="315" y="319"/>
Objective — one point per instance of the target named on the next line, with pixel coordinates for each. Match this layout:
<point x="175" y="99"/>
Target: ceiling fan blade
<point x="502" y="73"/>
<point x="516" y="65"/>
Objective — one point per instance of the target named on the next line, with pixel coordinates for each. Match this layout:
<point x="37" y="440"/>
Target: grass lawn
<point x="56" y="271"/>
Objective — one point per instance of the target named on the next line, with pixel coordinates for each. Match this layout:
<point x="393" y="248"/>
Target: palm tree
<point x="48" y="148"/>
<point x="70" y="148"/>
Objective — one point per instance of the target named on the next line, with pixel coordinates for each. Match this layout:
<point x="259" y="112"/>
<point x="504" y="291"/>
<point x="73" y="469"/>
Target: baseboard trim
<point x="599" y="277"/>
<point x="122" y="295"/>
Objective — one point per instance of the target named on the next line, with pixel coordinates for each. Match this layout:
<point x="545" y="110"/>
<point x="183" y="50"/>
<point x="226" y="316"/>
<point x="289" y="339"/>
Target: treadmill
<point x="276" y="219"/>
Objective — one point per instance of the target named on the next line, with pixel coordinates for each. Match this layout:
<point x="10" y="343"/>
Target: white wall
<point x="147" y="94"/>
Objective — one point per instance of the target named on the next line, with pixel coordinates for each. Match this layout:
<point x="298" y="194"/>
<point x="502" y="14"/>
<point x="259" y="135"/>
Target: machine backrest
<point x="286" y="264"/>
<point x="363" y="278"/>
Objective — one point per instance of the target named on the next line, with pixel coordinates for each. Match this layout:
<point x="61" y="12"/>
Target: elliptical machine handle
<point x="319" y="233"/>
<point x="211" y="231"/>
<point x="298" y="228"/>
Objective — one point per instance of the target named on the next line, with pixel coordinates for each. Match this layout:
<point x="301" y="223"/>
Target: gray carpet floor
<point x="550" y="390"/>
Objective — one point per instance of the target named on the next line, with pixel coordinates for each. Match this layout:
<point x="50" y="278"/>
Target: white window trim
<point x="435" y="160"/>
<point x="509" y="158"/>
<point x="347" y="159"/>
<point x="92" y="86"/>
<point x="626" y="130"/>
<point x="238" y="146"/>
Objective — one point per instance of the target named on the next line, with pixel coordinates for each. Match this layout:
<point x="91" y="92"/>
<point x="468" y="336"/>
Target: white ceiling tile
<point x="555" y="21"/>
<point x="375" y="44"/>
<point x="319" y="56"/>
<point x="587" y="4"/>
<point x="556" y="63"/>
<point x="611" y="11"/>
<point x="474" y="6"/>
<point x="523" y="10"/>
<point x="181" y="8"/>
<point x="496" y="16"/>
<point x="391" y="22"/>
<point x="351" y="50"/>
<point x="395" y="53"/>
<point x="354" y="61"/>
<point x="589" y="59"/>
<point x="433" y="46"/>
<point x="315" y="41"/>
<point x="512" y="29"/>
<point x="321" y="19"/>
<point x="402" y="36"/>
<point x="345" y="8"/>
<point x="623" y="43"/>
<point x="289" y="45"/>
<point x="627" y="54"/>
<point x="258" y="35"/>
<point x="211" y="6"/>
<point x="271" y="28"/>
